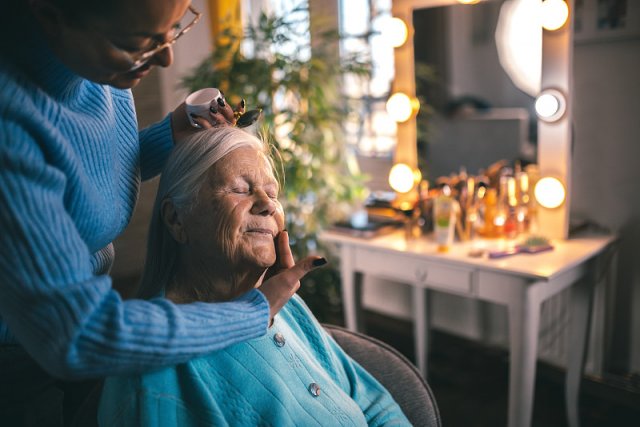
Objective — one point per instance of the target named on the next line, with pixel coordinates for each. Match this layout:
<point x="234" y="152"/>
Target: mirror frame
<point x="554" y="143"/>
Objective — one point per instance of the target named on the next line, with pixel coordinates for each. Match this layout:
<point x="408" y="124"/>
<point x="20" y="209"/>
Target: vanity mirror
<point x="509" y="129"/>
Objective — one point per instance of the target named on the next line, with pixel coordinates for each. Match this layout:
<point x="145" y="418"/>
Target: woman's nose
<point x="163" y="58"/>
<point x="263" y="205"/>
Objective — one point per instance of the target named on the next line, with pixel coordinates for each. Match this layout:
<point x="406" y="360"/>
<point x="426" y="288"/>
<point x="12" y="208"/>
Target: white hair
<point x="181" y="180"/>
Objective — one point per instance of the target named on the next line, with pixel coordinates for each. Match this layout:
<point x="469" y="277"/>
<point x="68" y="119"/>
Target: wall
<point x="606" y="174"/>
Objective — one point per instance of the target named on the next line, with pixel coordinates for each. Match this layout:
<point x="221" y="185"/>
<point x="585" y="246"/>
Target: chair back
<point x="394" y="371"/>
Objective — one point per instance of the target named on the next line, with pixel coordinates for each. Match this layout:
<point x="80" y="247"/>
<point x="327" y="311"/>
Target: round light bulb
<point x="400" y="107"/>
<point x="395" y="31"/>
<point x="550" y="105"/>
<point x="554" y="14"/>
<point x="401" y="178"/>
<point x="549" y="192"/>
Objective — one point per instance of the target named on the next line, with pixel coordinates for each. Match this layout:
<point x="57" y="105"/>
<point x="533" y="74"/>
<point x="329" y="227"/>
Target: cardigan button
<point x="278" y="338"/>
<point x="314" y="389"/>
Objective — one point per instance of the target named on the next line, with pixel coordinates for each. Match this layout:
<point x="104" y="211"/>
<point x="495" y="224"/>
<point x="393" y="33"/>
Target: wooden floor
<point x="470" y="381"/>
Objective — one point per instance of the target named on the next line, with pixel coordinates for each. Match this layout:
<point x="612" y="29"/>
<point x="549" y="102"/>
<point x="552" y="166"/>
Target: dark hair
<point x="77" y="10"/>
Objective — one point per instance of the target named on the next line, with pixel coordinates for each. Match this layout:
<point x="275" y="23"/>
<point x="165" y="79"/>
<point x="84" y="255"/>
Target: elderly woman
<point x="212" y="235"/>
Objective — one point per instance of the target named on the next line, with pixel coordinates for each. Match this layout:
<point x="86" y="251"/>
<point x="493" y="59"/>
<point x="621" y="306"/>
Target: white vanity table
<point x="520" y="282"/>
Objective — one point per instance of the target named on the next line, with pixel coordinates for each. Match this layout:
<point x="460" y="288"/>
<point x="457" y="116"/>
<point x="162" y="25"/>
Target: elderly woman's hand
<point x="284" y="277"/>
<point x="220" y="115"/>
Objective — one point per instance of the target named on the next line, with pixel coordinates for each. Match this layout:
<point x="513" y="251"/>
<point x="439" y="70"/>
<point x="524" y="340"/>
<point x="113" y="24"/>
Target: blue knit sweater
<point x="297" y="375"/>
<point x="71" y="160"/>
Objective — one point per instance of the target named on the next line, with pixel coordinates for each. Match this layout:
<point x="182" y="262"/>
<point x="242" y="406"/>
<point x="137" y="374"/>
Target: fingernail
<point x="242" y="103"/>
<point x="221" y="102"/>
<point x="318" y="262"/>
<point x="213" y="109"/>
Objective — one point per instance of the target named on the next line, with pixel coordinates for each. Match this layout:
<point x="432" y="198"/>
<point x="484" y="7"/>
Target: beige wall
<point x="606" y="183"/>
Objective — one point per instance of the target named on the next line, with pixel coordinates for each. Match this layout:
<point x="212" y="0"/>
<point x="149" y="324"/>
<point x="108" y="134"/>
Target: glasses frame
<point x="139" y="59"/>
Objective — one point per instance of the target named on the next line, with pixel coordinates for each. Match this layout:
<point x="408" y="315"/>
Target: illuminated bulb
<point x="554" y="14"/>
<point x="400" y="107"/>
<point x="550" y="105"/>
<point x="468" y="1"/>
<point x="401" y="178"/>
<point x="547" y="105"/>
<point x="549" y="192"/>
<point x="395" y="31"/>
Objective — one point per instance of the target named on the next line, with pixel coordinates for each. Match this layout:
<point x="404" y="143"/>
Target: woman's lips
<point x="265" y="231"/>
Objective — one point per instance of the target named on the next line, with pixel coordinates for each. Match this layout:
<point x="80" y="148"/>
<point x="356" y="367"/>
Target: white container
<point x="199" y="103"/>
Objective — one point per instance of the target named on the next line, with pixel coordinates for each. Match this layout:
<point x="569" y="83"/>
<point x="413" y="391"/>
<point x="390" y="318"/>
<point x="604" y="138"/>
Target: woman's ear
<point x="173" y="221"/>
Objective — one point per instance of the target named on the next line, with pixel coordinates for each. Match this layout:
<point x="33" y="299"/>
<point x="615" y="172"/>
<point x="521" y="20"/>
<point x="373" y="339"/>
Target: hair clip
<point x="248" y="118"/>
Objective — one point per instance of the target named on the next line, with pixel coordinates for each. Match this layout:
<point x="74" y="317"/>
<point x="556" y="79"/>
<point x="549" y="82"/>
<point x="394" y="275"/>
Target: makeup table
<point x="521" y="282"/>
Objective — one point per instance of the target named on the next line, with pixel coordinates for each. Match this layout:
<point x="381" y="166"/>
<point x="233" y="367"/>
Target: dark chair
<point x="394" y="371"/>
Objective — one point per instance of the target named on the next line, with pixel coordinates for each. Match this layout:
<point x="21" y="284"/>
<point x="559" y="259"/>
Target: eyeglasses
<point x="138" y="59"/>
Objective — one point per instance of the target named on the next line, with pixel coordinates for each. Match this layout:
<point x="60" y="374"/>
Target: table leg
<point x="581" y="302"/>
<point x="524" y="324"/>
<point x="349" y="292"/>
<point x="420" y="327"/>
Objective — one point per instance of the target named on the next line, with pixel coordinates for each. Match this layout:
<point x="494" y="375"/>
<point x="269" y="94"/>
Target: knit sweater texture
<point x="71" y="160"/>
<point x="296" y="375"/>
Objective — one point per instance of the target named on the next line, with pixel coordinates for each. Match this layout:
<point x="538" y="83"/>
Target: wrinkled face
<point x="100" y="48"/>
<point x="237" y="216"/>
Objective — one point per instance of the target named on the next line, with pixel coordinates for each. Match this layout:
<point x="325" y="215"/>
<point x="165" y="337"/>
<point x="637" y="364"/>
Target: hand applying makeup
<point x="220" y="114"/>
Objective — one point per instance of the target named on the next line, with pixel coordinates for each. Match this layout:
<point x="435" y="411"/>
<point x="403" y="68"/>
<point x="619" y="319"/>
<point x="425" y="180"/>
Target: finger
<point x="217" y="119"/>
<point x="300" y="269"/>
<point x="284" y="257"/>
<point x="222" y="107"/>
<point x="240" y="108"/>
<point x="201" y="122"/>
<point x="228" y="113"/>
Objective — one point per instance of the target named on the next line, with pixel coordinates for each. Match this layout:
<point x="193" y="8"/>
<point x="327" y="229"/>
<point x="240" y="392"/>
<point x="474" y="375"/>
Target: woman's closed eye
<point x="241" y="190"/>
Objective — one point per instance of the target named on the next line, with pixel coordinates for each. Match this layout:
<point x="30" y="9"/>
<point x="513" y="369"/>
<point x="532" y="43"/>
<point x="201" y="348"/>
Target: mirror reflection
<point x="478" y="114"/>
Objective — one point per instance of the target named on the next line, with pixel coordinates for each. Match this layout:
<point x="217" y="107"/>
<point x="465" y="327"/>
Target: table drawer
<point x="414" y="270"/>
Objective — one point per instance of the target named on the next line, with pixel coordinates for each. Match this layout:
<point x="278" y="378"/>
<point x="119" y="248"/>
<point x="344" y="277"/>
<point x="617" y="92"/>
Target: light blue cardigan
<point x="257" y="383"/>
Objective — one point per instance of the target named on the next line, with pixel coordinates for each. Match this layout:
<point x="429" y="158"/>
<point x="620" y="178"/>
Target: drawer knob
<point x="421" y="275"/>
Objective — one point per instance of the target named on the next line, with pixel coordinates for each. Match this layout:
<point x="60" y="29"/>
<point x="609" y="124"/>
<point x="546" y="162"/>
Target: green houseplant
<point x="295" y="80"/>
